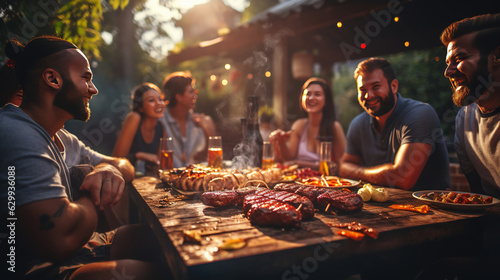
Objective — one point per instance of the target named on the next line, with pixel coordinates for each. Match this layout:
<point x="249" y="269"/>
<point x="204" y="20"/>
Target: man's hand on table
<point x="105" y="185"/>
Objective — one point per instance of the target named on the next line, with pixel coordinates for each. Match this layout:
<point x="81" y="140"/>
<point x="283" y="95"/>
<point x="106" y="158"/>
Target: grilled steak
<point x="307" y="208"/>
<point x="310" y="192"/>
<point x="227" y="198"/>
<point x="269" y="212"/>
<point x="340" y="200"/>
<point x="248" y="190"/>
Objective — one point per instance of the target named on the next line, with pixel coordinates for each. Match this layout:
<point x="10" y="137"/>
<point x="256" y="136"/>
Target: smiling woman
<point x="139" y="138"/>
<point x="301" y="143"/>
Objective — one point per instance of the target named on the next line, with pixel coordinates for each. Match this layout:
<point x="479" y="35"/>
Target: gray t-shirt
<point x="40" y="171"/>
<point x="477" y="143"/>
<point x="34" y="169"/>
<point x="76" y="152"/>
<point x="411" y="121"/>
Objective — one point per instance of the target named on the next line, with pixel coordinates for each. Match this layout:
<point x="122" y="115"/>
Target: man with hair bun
<point x="473" y="59"/>
<point x="56" y="219"/>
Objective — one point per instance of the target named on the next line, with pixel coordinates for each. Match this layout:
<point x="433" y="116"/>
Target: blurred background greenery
<point x="127" y="42"/>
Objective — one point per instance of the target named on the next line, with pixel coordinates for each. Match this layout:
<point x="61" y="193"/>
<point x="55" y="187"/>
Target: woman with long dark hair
<point x="301" y="143"/>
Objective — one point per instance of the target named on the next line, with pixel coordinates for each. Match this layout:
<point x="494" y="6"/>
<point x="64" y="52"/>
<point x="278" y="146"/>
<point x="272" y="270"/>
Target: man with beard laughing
<point x="55" y="221"/>
<point x="473" y="59"/>
<point x="397" y="141"/>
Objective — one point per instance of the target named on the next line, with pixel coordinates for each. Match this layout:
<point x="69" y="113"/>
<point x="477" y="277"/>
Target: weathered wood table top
<point x="311" y="251"/>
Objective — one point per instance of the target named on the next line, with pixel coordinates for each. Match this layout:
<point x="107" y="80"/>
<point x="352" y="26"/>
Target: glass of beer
<point x="267" y="155"/>
<point x="325" y="158"/>
<point x="214" y="157"/>
<point x="166" y="153"/>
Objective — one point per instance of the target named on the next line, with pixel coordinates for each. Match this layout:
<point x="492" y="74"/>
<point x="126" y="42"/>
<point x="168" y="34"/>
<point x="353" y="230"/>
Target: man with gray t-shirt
<point x="473" y="59"/>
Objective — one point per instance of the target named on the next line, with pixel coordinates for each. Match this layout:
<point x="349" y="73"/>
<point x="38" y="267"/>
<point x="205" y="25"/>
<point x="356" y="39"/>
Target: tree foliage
<point x="78" y="21"/>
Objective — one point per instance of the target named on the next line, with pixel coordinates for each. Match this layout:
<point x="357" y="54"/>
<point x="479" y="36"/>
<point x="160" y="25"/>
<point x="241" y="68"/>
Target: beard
<point x="386" y="104"/>
<point x="68" y="99"/>
<point x="479" y="83"/>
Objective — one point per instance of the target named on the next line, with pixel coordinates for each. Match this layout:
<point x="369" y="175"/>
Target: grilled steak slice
<point x="227" y="198"/>
<point x="248" y="190"/>
<point x="310" y="192"/>
<point x="270" y="212"/>
<point x="307" y="208"/>
<point x="250" y="200"/>
<point x="340" y="200"/>
<point x="221" y="198"/>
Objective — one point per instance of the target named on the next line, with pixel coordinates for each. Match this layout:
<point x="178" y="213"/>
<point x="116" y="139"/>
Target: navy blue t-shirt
<point x="411" y="121"/>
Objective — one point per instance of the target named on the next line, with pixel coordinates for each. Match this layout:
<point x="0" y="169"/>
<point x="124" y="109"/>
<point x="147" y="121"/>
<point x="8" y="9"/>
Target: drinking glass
<point x="267" y="155"/>
<point x="325" y="158"/>
<point x="214" y="157"/>
<point x="166" y="153"/>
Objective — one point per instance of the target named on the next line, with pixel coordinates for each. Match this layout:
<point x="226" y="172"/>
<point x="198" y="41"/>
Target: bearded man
<point x="397" y="141"/>
<point x="55" y="220"/>
<point x="473" y="59"/>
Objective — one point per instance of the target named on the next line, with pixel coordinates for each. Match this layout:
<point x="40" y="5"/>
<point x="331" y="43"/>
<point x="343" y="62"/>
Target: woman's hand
<point x="278" y="138"/>
<point x="148" y="157"/>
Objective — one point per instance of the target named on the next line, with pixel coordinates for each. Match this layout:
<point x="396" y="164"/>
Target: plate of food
<point x="328" y="182"/>
<point x="456" y="199"/>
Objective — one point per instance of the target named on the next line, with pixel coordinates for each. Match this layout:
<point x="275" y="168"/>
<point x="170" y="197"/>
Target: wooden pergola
<point x="335" y="31"/>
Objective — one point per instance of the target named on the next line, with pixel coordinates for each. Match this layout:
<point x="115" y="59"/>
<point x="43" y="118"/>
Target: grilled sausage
<point x="221" y="198"/>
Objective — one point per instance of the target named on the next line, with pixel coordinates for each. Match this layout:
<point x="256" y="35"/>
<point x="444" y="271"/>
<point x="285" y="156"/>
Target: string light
<point x="268" y="74"/>
<point x="227" y="66"/>
<point x="339" y="24"/>
<point x="407" y="44"/>
<point x="250" y="76"/>
<point x="363" y="46"/>
<point x="213" y="77"/>
<point x="396" y="19"/>
<point x="224" y="82"/>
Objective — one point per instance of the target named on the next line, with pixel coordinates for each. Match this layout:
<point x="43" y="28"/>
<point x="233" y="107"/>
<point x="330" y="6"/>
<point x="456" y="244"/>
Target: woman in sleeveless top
<point x="139" y="138"/>
<point x="301" y="143"/>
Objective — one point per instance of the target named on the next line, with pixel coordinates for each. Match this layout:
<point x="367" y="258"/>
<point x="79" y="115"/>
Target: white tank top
<point x="303" y="153"/>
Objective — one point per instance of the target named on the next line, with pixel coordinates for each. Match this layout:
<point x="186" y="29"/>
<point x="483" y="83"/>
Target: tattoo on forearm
<point x="46" y="222"/>
<point x="59" y="211"/>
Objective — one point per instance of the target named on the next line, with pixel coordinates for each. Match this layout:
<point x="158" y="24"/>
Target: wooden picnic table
<point x="407" y="240"/>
